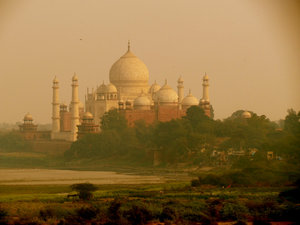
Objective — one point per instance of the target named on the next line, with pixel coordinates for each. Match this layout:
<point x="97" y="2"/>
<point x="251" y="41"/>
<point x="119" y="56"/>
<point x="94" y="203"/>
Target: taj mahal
<point x="129" y="92"/>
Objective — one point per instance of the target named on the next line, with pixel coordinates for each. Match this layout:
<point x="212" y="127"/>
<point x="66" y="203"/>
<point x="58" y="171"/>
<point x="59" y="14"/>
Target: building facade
<point x="128" y="91"/>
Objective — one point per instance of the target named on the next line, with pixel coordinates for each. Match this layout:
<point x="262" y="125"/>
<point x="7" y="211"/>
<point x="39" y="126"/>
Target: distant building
<point x="130" y="92"/>
<point x="29" y="130"/>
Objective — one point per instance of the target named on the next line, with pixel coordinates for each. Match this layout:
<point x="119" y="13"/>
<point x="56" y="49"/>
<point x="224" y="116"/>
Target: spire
<point x="166" y="81"/>
<point x="128" y="45"/>
<point x="190" y="92"/>
<point x="75" y="78"/>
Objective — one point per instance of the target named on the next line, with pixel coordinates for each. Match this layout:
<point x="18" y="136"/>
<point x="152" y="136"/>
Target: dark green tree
<point x="85" y="190"/>
<point x="113" y="120"/>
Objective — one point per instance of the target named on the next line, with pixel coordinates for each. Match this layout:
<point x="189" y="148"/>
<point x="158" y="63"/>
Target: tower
<point x="204" y="102"/>
<point x="205" y="85"/>
<point x="180" y="89"/>
<point x="75" y="108"/>
<point x="55" y="109"/>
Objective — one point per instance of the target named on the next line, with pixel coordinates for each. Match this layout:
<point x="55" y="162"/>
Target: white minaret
<point x="55" y="109"/>
<point x="180" y="89"/>
<point x="75" y="108"/>
<point x="205" y="85"/>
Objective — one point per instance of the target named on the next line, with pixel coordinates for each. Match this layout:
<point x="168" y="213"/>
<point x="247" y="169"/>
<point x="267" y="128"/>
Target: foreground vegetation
<point x="226" y="161"/>
<point x="173" y="203"/>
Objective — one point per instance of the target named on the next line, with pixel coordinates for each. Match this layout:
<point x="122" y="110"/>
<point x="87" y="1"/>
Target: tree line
<point x="191" y="139"/>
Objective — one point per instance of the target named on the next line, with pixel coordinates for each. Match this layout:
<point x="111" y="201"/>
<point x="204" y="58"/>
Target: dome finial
<point x="166" y="81"/>
<point x="128" y="45"/>
<point x="190" y="92"/>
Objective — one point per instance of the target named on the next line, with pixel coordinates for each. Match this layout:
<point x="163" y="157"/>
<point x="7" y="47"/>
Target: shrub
<point x="114" y="213"/>
<point x="168" y="214"/>
<point x="46" y="213"/>
<point x="84" y="190"/>
<point x="87" y="213"/>
<point x="233" y="211"/>
<point x="292" y="195"/>
<point x="138" y="215"/>
<point x="3" y="213"/>
<point x="195" y="183"/>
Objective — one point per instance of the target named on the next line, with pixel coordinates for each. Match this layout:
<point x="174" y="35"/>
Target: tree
<point x="113" y="120"/>
<point x="198" y="120"/>
<point x="84" y="190"/>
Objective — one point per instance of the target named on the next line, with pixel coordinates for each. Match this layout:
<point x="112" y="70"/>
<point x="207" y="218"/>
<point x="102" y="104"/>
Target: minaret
<point x="75" y="108"/>
<point x="204" y="102"/>
<point x="180" y="89"/>
<point x="55" y="109"/>
<point x="205" y="85"/>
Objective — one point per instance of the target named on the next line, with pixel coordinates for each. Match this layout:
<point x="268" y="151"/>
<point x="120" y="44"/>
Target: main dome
<point x="128" y="69"/>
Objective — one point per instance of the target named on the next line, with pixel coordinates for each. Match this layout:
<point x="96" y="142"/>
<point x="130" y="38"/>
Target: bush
<point x="168" y="214"/>
<point x="114" y="213"/>
<point x="292" y="195"/>
<point x="84" y="190"/>
<point x="87" y="213"/>
<point x="3" y="213"/>
<point x="195" y="183"/>
<point x="232" y="211"/>
<point x="138" y="215"/>
<point x="47" y="213"/>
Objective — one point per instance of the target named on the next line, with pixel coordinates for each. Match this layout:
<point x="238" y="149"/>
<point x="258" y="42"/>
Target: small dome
<point x="28" y="117"/>
<point x="154" y="88"/>
<point x="142" y="101"/>
<point x="166" y="95"/>
<point x="246" y="115"/>
<point x="102" y="88"/>
<point x="110" y="88"/>
<point x="189" y="100"/>
<point x="87" y="115"/>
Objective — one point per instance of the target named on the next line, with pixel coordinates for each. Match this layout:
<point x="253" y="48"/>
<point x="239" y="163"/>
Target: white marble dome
<point x="142" y="101"/>
<point x="102" y="88"/>
<point x="128" y="69"/>
<point x="110" y="88"/>
<point x="28" y="117"/>
<point x="189" y="100"/>
<point x="87" y="115"/>
<point x="154" y="88"/>
<point x="246" y="115"/>
<point x="166" y="95"/>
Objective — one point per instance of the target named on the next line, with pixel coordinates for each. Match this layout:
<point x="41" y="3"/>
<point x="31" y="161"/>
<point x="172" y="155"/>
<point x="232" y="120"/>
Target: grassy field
<point x="176" y="202"/>
<point x="171" y="201"/>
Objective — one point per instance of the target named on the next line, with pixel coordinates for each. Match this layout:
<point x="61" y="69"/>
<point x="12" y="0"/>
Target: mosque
<point x="129" y="92"/>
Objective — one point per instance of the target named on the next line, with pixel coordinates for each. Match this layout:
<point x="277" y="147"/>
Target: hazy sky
<point x="249" y="48"/>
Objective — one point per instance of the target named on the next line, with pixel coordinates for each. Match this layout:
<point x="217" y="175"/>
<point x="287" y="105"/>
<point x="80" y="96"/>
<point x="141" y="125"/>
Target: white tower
<point x="180" y="89"/>
<point x="55" y="109"/>
<point x="205" y="85"/>
<point x="75" y="108"/>
<point x="204" y="102"/>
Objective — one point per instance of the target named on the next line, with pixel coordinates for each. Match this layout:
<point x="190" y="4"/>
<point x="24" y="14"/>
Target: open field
<point x="45" y="176"/>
